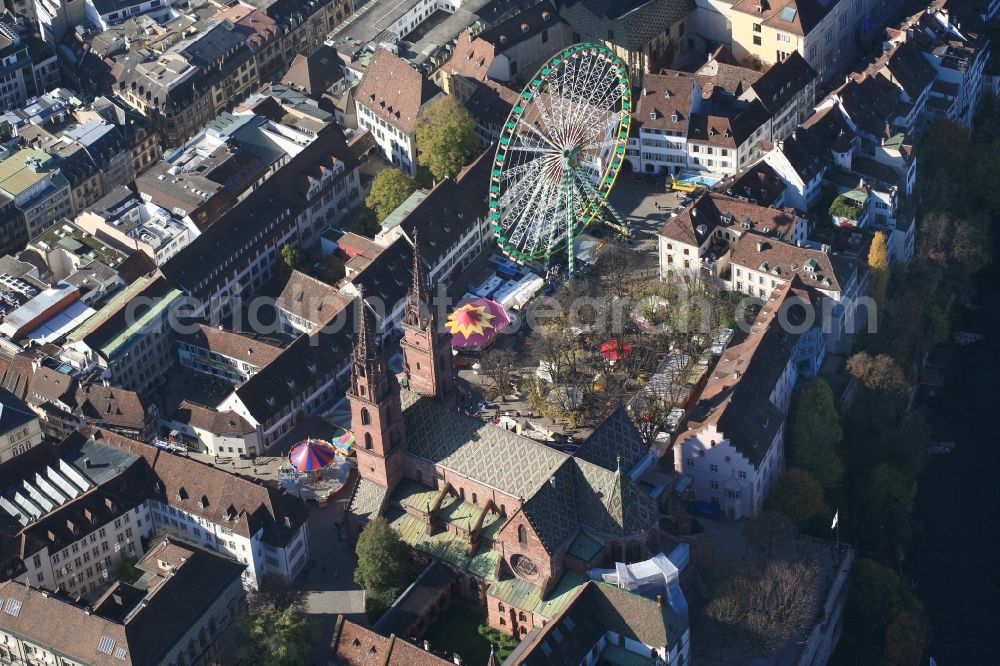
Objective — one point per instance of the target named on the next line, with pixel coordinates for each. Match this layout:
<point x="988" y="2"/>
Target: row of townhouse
<point x="316" y="188"/>
<point x="952" y="37"/>
<point x="133" y="622"/>
<point x="754" y="250"/>
<point x="860" y="141"/>
<point x="301" y="369"/>
<point x="78" y="508"/>
<point x="720" y="119"/>
<point x="64" y="157"/>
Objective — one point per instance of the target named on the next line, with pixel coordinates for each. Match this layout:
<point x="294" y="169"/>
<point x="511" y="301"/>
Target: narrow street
<point x="329" y="587"/>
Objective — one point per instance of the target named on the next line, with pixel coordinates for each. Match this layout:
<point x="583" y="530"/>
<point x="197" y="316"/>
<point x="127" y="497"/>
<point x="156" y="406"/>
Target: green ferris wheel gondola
<point x="560" y="152"/>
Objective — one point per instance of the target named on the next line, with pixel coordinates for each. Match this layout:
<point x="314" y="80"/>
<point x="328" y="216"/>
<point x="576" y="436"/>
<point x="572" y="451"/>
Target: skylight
<point x="788" y="14"/>
<point x="12" y="607"/>
<point x="106" y="645"/>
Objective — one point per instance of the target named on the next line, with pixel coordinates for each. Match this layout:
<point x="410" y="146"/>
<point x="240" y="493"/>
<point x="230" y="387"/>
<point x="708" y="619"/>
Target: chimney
<point x="86" y="463"/>
<point x="457" y="659"/>
<point x="427" y="646"/>
<point x="760" y="246"/>
<point x="659" y="601"/>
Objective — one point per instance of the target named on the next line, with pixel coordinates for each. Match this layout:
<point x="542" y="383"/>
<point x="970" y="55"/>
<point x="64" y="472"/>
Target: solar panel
<point x="12" y="607"/>
<point x="106" y="645"/>
<point x="121" y="653"/>
<point x="788" y="14"/>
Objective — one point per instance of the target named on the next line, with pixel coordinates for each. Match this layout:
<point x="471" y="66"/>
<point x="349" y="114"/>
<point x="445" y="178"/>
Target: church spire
<point x="364" y="343"/>
<point x="419" y="296"/>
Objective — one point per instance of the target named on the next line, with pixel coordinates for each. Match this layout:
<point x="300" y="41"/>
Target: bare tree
<point x="500" y="365"/>
<point x="768" y="605"/>
<point x="769" y="529"/>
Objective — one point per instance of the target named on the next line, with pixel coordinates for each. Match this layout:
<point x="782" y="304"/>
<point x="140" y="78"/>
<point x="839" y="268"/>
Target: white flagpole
<point x="836" y="526"/>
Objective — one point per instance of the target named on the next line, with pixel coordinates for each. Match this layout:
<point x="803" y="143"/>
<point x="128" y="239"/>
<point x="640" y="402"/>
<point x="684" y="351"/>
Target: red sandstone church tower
<point x="426" y="346"/>
<point x="376" y="414"/>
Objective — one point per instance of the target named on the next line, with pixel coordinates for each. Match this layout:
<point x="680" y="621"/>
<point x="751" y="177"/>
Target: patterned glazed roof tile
<point x="504" y="460"/>
<point x="367" y="500"/>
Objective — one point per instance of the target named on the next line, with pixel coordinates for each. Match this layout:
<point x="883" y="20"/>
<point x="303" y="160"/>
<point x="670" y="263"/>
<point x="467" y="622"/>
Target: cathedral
<point x="518" y="523"/>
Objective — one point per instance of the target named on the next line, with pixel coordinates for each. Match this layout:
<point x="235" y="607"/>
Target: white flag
<point x="836" y="517"/>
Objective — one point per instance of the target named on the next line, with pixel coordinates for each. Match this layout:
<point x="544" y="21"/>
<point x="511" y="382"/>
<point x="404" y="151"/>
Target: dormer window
<point x="203" y="502"/>
<point x="675" y="117"/>
<point x="653" y="115"/>
<point x="181" y="494"/>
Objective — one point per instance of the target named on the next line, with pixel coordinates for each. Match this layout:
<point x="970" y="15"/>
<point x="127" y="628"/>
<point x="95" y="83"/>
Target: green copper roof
<point x="161" y="306"/>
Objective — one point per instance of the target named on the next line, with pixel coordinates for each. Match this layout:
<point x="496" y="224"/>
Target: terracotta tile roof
<point x="734" y="79"/>
<point x="905" y="65"/>
<point x="711" y="210"/>
<point x="471" y="58"/>
<point x="665" y="101"/>
<point x="115" y="634"/>
<point x="257" y="350"/>
<point x="53" y="385"/>
<point x="818" y="269"/>
<point x="16" y="373"/>
<point x="760" y="184"/>
<point x="354" y="645"/>
<point x="313" y="300"/>
<point x="735" y="398"/>
<point x="316" y="72"/>
<point x="111" y="405"/>
<point x="213" y="421"/>
<point x="240" y="504"/>
<point x="394" y="91"/>
<point x="727" y="132"/>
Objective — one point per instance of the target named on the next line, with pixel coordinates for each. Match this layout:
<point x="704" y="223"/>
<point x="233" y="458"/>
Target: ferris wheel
<point x="559" y="153"/>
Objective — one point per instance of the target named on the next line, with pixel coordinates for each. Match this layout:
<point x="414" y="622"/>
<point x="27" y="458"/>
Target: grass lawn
<point x="455" y="630"/>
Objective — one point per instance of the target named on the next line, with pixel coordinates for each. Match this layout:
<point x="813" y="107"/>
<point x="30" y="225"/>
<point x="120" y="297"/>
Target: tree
<point x="886" y="495"/>
<point x="446" y="137"/>
<point x="876" y="596"/>
<point x="390" y="188"/>
<point x="814" y="433"/>
<point x="616" y="266"/>
<point x="906" y="638"/>
<point x="500" y="365"/>
<point x="334" y="269"/>
<point x="878" y="265"/>
<point x="291" y="260"/>
<point x="767" y="605"/>
<point x="798" y="495"/>
<point x="878" y="373"/>
<point x="276" y="632"/>
<point x="769" y="529"/>
<point x="384" y="568"/>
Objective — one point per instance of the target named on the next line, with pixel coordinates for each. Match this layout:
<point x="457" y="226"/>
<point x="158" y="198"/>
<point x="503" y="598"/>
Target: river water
<point x="956" y="562"/>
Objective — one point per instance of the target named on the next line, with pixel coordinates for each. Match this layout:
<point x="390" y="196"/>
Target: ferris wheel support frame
<point x="581" y="103"/>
